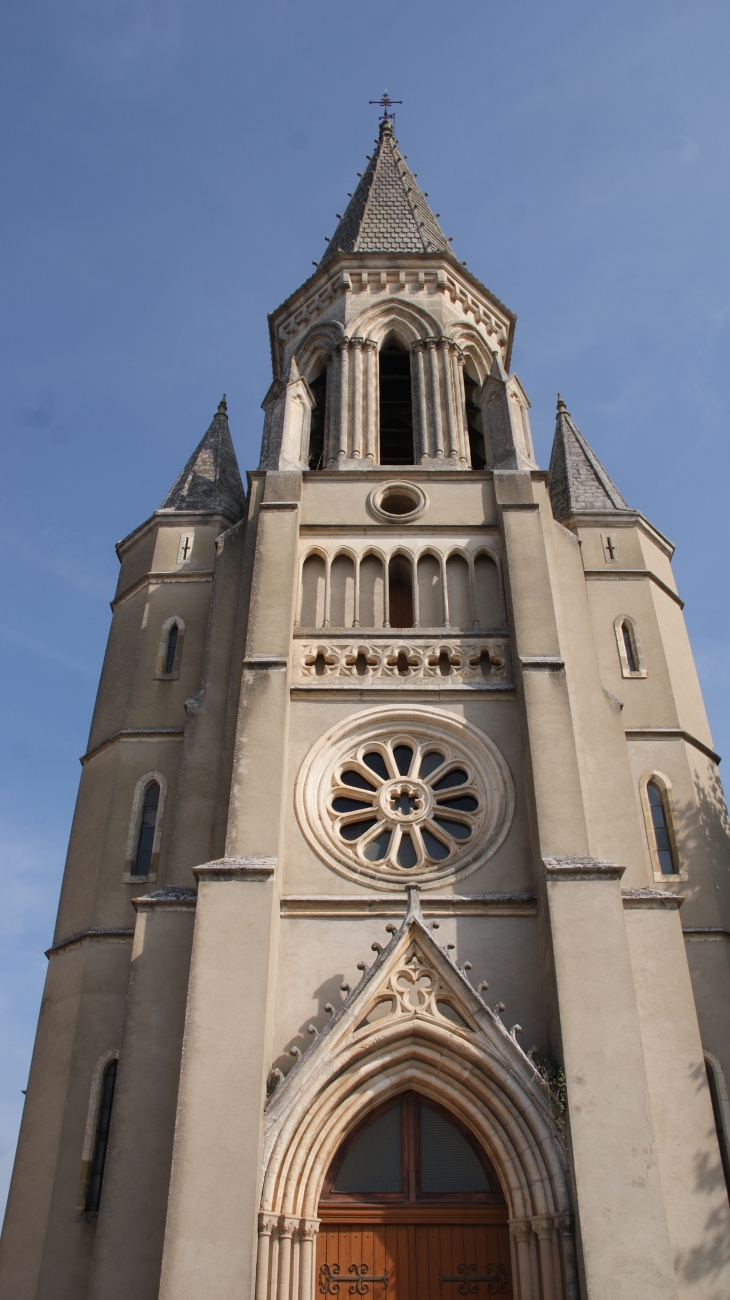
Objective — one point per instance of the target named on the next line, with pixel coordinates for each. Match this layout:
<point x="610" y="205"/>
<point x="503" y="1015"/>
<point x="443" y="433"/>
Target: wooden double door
<point x="432" y="1256"/>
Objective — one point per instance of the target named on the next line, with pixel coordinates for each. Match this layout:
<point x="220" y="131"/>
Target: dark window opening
<point x="147" y="825"/>
<point x="101" y="1140"/>
<point x="631" y="655"/>
<point x="412" y="1152"/>
<point x="473" y="418"/>
<point x="316" y="426"/>
<point x="660" y="824"/>
<point x="172" y="637"/>
<point x="400" y="592"/>
<point x="396" y="409"/>
<point x="717" y="1113"/>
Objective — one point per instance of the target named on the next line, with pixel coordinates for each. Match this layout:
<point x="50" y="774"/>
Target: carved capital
<point x="521" y="1229"/>
<point x="418" y="346"/>
<point x="542" y="1225"/>
<point x="565" y="1225"/>
<point x="370" y="345"/>
<point x="267" y="1223"/>
<point x="356" y="342"/>
<point x="308" y="1229"/>
<point x="287" y="1226"/>
<point x="431" y="344"/>
<point x="343" y="344"/>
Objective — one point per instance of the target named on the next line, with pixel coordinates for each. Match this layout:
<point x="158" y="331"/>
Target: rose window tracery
<point x="405" y="803"/>
<point x="398" y="795"/>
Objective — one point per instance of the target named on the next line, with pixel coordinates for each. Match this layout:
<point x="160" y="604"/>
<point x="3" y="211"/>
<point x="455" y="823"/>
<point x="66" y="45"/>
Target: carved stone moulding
<point x="404" y="795"/>
<point x="441" y="663"/>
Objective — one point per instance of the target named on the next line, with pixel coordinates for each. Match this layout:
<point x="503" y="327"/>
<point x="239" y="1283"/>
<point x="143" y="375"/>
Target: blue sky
<point x="170" y="170"/>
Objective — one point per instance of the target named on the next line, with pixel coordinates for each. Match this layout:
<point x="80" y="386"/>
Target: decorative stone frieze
<point x="482" y="663"/>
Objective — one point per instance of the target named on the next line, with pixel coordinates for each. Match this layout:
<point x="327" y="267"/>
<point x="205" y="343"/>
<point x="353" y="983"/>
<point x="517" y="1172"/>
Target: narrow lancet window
<point x="172" y="637"/>
<point x="316" y="427"/>
<point x="396" y="408"/>
<point x="632" y="658"/>
<point x="147" y="827"/>
<point x="660" y="827"/>
<point x="400" y="592"/>
<point x="473" y="419"/>
<point x="101" y="1139"/>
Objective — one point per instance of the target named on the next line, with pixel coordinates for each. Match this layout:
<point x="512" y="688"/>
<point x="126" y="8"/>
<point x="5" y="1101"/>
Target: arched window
<point x="147" y="826"/>
<point x="720" y="1111"/>
<point x="459" y="592"/>
<point x="430" y="592"/>
<point x="400" y="592"/>
<point x="311" y="610"/>
<point x="660" y="829"/>
<point x="396" y="407"/>
<point x="489" y="600"/>
<point x="342" y="591"/>
<point x="169" y="653"/>
<point x="171" y="648"/>
<point x="629" y="647"/>
<point x="372" y="592"/>
<point x="411" y="1151"/>
<point x="473" y="424"/>
<point x="101" y="1137"/>
<point x="317" y="425"/>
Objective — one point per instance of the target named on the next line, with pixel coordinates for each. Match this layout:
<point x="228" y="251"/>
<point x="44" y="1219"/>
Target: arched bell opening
<point x="318" y="388"/>
<point x="396" y="405"/>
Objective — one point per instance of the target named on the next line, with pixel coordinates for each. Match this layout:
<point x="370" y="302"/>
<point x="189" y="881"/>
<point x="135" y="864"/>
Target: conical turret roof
<point x="388" y="212"/>
<point x="211" y="480"/>
<point x="578" y="482"/>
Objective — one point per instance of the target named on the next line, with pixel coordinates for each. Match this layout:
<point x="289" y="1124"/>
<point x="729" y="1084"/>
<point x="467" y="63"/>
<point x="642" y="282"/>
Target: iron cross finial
<point x="385" y="103"/>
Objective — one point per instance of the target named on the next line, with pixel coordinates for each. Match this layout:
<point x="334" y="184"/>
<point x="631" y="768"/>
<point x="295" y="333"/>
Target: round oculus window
<point x="397" y="795"/>
<point x="398" y="501"/>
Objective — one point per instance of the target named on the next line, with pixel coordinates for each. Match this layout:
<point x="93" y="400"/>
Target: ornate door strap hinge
<point x="330" y="1279"/>
<point x="468" y="1279"/>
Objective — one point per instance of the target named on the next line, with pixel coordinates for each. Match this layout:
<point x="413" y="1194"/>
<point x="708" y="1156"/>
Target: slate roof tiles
<point x="388" y="212"/>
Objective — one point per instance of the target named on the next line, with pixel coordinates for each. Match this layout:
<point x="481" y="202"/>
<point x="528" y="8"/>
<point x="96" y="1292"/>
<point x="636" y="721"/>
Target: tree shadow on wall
<point x="711" y="1258"/>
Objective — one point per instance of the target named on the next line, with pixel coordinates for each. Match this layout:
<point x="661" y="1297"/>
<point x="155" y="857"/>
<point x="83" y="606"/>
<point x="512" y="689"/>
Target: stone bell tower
<point x="392" y="950"/>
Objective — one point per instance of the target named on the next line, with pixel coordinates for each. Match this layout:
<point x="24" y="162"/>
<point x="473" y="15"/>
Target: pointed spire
<point x="211" y="480"/>
<point x="388" y="212"/>
<point x="578" y="481"/>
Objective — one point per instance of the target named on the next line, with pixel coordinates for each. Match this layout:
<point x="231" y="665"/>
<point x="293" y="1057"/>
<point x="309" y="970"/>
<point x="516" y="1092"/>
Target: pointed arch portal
<point x="414" y="1035"/>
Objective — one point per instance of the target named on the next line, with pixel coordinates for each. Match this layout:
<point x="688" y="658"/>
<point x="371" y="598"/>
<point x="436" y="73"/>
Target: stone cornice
<point x="115" y="934"/>
<point x="178" y="518"/>
<point x="651" y="898"/>
<point x="581" y="869"/>
<point x="171" y="899"/>
<point x="609" y="519"/>
<point x="671" y="733"/>
<point x="247" y="869"/>
<point x="633" y="575"/>
<point x="132" y="733"/>
<point x="151" y="579"/>
<point x="514" y="904"/>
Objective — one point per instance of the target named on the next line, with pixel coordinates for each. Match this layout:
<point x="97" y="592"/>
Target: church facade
<point x="391" y="957"/>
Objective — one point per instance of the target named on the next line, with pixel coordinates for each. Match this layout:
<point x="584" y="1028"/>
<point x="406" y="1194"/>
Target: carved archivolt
<point x="440" y="663"/>
<point x="393" y="795"/>
<point x="415" y="1022"/>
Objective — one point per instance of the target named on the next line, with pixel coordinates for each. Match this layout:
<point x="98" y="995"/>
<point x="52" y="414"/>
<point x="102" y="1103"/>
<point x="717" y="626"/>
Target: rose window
<point x="405" y="803"/>
<point x="402" y="794"/>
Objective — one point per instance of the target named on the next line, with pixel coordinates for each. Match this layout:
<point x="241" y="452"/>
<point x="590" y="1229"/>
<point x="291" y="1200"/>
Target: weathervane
<point x="385" y="103"/>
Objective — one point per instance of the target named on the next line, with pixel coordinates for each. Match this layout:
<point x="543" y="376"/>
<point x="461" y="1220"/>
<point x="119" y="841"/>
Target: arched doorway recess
<point x="412" y="1207"/>
<point x="414" y="1025"/>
